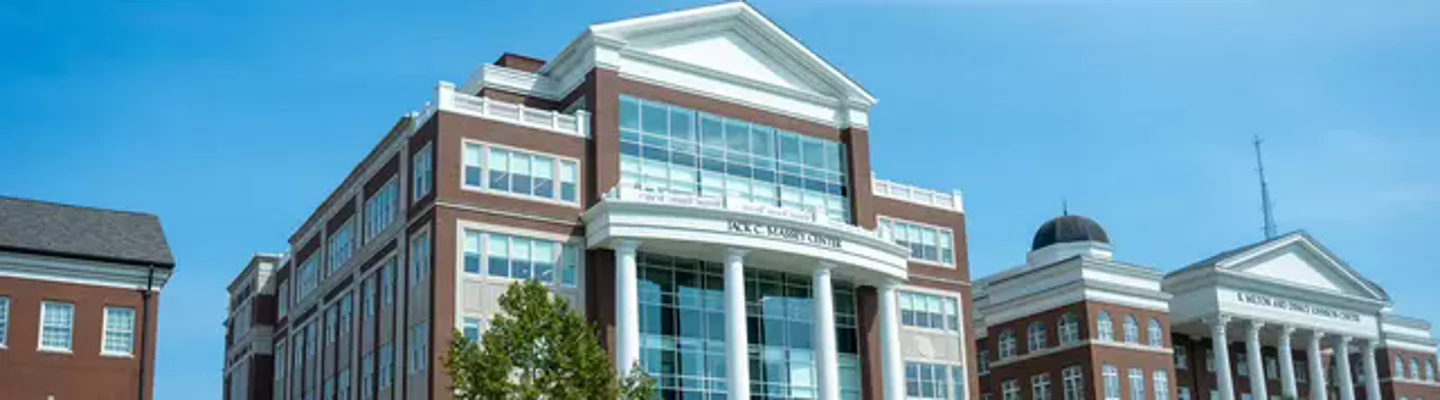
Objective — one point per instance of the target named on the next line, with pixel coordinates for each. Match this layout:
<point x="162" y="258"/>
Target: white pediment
<point x="733" y="52"/>
<point x="1297" y="260"/>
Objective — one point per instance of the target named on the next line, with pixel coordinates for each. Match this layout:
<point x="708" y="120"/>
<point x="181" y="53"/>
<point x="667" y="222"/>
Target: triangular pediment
<point x="735" y="40"/>
<point x="1298" y="260"/>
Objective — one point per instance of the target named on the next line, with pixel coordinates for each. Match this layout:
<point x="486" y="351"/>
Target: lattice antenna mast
<point x="1266" y="206"/>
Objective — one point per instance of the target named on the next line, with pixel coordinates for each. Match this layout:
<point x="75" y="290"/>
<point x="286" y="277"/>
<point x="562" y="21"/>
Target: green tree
<point x="538" y="349"/>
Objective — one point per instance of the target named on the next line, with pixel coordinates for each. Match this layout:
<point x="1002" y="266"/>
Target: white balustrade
<point x="518" y="114"/>
<point x="733" y="203"/>
<point x="912" y="194"/>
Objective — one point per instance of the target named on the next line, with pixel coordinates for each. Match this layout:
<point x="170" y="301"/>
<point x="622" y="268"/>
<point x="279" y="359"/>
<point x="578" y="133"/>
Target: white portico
<point x="743" y="234"/>
<point x="1288" y="293"/>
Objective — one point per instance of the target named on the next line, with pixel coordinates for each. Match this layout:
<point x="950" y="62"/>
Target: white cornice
<point x="79" y="272"/>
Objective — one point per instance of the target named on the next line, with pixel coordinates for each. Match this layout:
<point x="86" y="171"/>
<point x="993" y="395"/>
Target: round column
<point x="1317" y="367"/>
<point x="1372" y="374"/>
<point x="737" y="352"/>
<point x="1221" y="345"/>
<point x="1287" y="363"/>
<point x="1343" y="377"/>
<point x="826" y="353"/>
<point x="892" y="366"/>
<point x="627" y="307"/>
<point x="1255" y="358"/>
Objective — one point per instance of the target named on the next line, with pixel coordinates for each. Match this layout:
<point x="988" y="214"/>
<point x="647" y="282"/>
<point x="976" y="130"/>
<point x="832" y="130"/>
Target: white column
<point x="627" y="307"/>
<point x="1221" y="347"/>
<point x="891" y="366"/>
<point x="1345" y="380"/>
<point x="1287" y="363"/>
<point x="1256" y="360"/>
<point x="737" y="351"/>
<point x="1317" y="367"/>
<point x="1372" y="374"/>
<point x="826" y="354"/>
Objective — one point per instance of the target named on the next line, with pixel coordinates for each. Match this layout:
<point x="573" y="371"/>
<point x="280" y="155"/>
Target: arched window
<point x="1069" y="329"/>
<point x="1007" y="345"/>
<point x="1036" y="336"/>
<point x="1132" y="330"/>
<point x="1414" y="369"/>
<point x="1157" y="335"/>
<point x="1430" y="370"/>
<point x="1104" y="328"/>
<point x="1399" y="368"/>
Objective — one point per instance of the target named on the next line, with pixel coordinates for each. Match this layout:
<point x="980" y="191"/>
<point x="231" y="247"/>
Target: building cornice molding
<point x="81" y="272"/>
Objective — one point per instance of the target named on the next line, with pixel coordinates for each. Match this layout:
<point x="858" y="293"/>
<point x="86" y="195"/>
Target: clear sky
<point x="232" y="120"/>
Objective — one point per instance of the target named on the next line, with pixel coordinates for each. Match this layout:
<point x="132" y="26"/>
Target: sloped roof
<point x="52" y="229"/>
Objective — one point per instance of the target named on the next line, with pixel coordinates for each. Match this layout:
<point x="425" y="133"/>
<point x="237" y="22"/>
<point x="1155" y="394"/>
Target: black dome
<point x="1066" y="229"/>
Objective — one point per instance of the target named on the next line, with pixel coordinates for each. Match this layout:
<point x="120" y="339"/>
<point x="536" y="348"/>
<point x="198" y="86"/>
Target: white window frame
<point x="557" y="167"/>
<point x="949" y="309"/>
<point x="1007" y="345"/>
<point x="1072" y="380"/>
<point x="563" y="247"/>
<point x="379" y="212"/>
<point x="105" y="332"/>
<point x="1132" y="329"/>
<point x="1104" y="327"/>
<point x="888" y="223"/>
<point x="1037" y="337"/>
<point x="1010" y="390"/>
<point x="4" y="322"/>
<point x="1040" y="387"/>
<point x="422" y="172"/>
<point x="69" y="349"/>
<point x="1068" y="329"/>
<point x="1160" y="381"/>
<point x="1111" y="380"/>
<point x="1154" y="333"/>
<point x="1137" y="392"/>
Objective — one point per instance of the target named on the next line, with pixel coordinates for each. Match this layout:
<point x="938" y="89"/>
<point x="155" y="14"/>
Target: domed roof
<point x="1067" y="229"/>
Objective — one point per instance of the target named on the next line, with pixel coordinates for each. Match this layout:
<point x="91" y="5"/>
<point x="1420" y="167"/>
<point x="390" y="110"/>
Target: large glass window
<point x="341" y="246"/>
<point x="57" y="324"/>
<point x="518" y="172"/>
<point x="929" y="311"/>
<point x="932" y="381"/>
<point x="381" y="209"/>
<point x="387" y="366"/>
<point x="279" y="368"/>
<point x="682" y="326"/>
<point x="419" y="258"/>
<point x="926" y="243"/>
<point x="119" y="331"/>
<point x="367" y="375"/>
<point x="517" y="257"/>
<point x="663" y="147"/>
<point x="1074" y="383"/>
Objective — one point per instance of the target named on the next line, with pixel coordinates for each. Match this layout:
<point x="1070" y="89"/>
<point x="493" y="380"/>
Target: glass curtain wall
<point x="664" y="147"/>
<point x="682" y="329"/>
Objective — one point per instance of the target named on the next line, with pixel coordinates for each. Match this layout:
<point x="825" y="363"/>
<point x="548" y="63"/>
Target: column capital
<point x="735" y="254"/>
<point x="1286" y="330"/>
<point x="1343" y="340"/>
<point x="825" y="266"/>
<point x="1371" y="345"/>
<point x="1317" y="336"/>
<point x="626" y="245"/>
<point x="1254" y="326"/>
<point x="888" y="284"/>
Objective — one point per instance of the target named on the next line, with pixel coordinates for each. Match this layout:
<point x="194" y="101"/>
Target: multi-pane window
<point x="1162" y="385"/>
<point x="1010" y="390"/>
<point x="1429" y="369"/>
<point x="347" y="310"/>
<point x="1137" y="384"/>
<point x="367" y="375"/>
<point x="472" y="328"/>
<point x="4" y="321"/>
<point x="419" y="258"/>
<point x="518" y="172"/>
<point x="387" y="366"/>
<point x="341" y="246"/>
<point x="509" y="256"/>
<point x="1156" y="333"/>
<point x="669" y="148"/>
<point x="1399" y="368"/>
<point x="279" y="367"/>
<point x="1272" y="369"/>
<point x="381" y="209"/>
<point x="57" y="323"/>
<point x="330" y="314"/>
<point x="283" y="298"/>
<point x="929" y="311"/>
<point x="1182" y="358"/>
<point x="367" y="295"/>
<point x="1414" y="370"/>
<point x="1182" y="393"/>
<point x="387" y="282"/>
<point x="1104" y="327"/>
<point x="342" y="390"/>
<point x="1035" y="336"/>
<point x="1007" y="344"/>
<point x="1112" y="382"/>
<point x="309" y="273"/>
<point x="1073" y="383"/>
<point x="1040" y="387"/>
<point x="1242" y="364"/>
<point x="422" y="172"/>
<point x="1209" y="360"/>
<point x="1300" y="371"/>
<point x="1069" y="329"/>
<point x="119" y="331"/>
<point x="419" y="348"/>
<point x="982" y="360"/>
<point x="929" y="381"/>
<point x="1132" y="330"/>
<point x="926" y="243"/>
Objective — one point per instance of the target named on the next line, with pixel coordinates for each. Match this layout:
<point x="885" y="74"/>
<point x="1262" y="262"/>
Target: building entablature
<point x="705" y="227"/>
<point x="1032" y="289"/>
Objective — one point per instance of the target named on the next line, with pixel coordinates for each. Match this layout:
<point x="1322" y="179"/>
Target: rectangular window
<point x="472" y="329"/>
<point x="927" y="381"/>
<point x="1040" y="387"/>
<point x="929" y="311"/>
<point x="1010" y="390"/>
<point x="367" y="375"/>
<point x="280" y="359"/>
<point x="1112" y="382"/>
<point x="1182" y="358"/>
<point x="1182" y="393"/>
<point x="330" y="314"/>
<point x="1137" y="384"/>
<point x="387" y="282"/>
<point x="4" y="321"/>
<point x="119" y="331"/>
<point x="309" y="274"/>
<point x="422" y="172"/>
<point x="1210" y="360"/>
<point x="419" y="348"/>
<point x="387" y="365"/>
<point x="57" y="323"/>
<point x="342" y="392"/>
<point x="509" y="256"/>
<point x="926" y="243"/>
<point x="369" y="299"/>
<point x="1074" y="383"/>
<point x="347" y="310"/>
<point x="1243" y="365"/>
<point x="283" y="298"/>
<point x="1162" y="385"/>
<point x="982" y="357"/>
<point x="381" y="209"/>
<point x="1271" y="368"/>
<point x="519" y="172"/>
<point x="419" y="258"/>
<point x="341" y="246"/>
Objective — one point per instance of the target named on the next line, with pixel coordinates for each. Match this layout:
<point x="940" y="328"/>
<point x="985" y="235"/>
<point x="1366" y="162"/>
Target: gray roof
<point x="52" y="229"/>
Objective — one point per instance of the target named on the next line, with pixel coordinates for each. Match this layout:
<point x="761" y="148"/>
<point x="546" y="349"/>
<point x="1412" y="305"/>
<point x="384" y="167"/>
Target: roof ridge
<point x="76" y="206"/>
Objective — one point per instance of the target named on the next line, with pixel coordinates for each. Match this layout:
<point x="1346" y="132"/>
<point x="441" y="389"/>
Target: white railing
<point x="519" y="114"/>
<point x="926" y="197"/>
<point x="732" y="203"/>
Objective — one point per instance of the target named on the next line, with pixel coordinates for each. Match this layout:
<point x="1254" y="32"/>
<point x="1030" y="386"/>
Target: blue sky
<point x="233" y="120"/>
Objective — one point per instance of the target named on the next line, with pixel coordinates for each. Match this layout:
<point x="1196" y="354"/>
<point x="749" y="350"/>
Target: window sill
<point x="930" y="330"/>
<point x="56" y="351"/>
<point x="517" y="196"/>
<point x="116" y="355"/>
<point x="936" y="264"/>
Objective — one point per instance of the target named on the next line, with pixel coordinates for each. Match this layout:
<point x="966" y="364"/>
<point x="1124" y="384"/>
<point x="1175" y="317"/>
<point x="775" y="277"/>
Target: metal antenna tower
<point x="1265" y="205"/>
